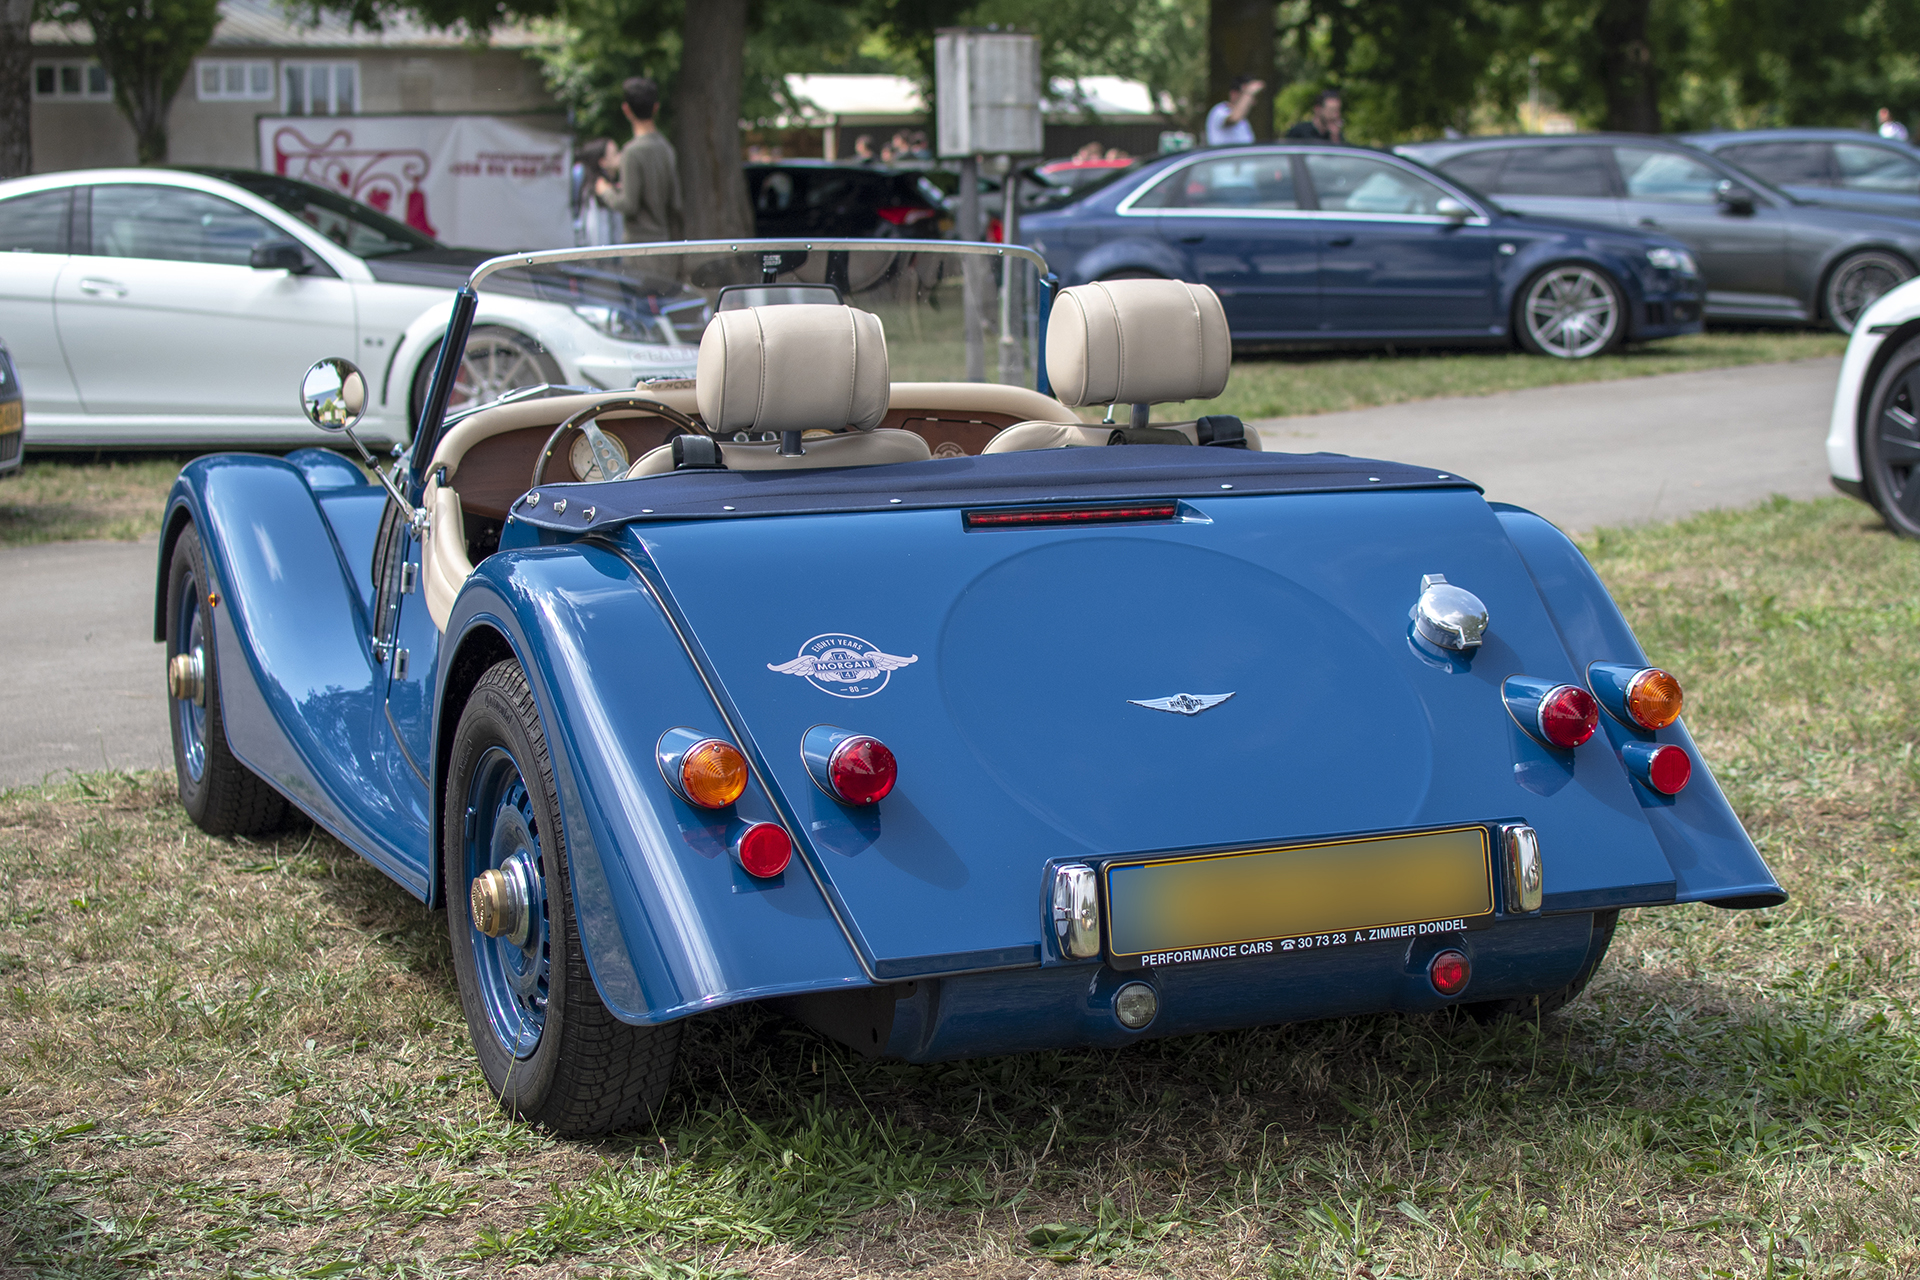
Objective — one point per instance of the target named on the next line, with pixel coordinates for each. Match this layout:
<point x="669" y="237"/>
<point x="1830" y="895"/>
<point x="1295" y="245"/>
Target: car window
<point x="1801" y="163"/>
<point x="1359" y="184"/>
<point x="1234" y="182"/>
<point x="1665" y="175"/>
<point x="360" y="230"/>
<point x="775" y="195"/>
<point x="176" y="225"/>
<point x="35" y="223"/>
<point x="1477" y="169"/>
<point x="1554" y="171"/>
<point x="1864" y="168"/>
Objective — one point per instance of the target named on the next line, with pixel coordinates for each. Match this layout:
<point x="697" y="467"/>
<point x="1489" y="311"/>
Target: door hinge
<point x="409" y="577"/>
<point x="399" y="664"/>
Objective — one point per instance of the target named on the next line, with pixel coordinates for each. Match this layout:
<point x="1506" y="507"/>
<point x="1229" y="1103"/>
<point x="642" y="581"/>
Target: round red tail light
<point x="1568" y="715"/>
<point x="764" y="849"/>
<point x="862" y="770"/>
<point x="1666" y="768"/>
<point x="1449" y="972"/>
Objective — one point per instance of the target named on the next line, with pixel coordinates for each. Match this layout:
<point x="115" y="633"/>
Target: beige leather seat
<point x="1128" y="342"/>
<point x="817" y="369"/>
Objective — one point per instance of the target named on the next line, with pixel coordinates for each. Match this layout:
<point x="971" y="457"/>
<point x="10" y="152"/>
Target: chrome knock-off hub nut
<point x="500" y="906"/>
<point x="186" y="677"/>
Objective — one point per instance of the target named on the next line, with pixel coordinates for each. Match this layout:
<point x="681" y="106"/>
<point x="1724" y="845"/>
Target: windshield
<point x="353" y="226"/>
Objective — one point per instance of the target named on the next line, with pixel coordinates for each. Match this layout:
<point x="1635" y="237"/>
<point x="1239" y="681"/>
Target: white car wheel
<point x="497" y="361"/>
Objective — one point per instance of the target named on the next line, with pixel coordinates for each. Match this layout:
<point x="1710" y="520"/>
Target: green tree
<point x="146" y="48"/>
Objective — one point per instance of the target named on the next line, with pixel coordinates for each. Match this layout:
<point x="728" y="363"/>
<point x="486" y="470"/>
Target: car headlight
<point x="619" y="322"/>
<point x="1679" y="260"/>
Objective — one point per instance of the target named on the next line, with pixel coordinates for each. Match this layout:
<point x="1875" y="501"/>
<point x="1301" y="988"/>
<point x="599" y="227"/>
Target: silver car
<point x="1765" y="254"/>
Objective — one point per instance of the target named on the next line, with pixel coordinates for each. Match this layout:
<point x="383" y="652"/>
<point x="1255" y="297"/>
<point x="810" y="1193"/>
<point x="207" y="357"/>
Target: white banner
<point x="474" y="181"/>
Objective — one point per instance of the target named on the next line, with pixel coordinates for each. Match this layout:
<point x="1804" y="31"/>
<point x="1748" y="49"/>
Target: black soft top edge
<point x="1050" y="475"/>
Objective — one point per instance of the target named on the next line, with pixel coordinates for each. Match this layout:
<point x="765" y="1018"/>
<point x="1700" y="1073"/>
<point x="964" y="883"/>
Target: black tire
<point x="497" y="360"/>
<point x="1857" y="281"/>
<point x="221" y="795"/>
<point x="1570" y="311"/>
<point x="1534" y="1007"/>
<point x="1890" y="441"/>
<point x="580" y="1071"/>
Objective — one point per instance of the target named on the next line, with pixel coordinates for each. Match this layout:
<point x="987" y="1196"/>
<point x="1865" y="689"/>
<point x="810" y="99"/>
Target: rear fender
<point x="669" y="921"/>
<point x="300" y="694"/>
<point x="1713" y="859"/>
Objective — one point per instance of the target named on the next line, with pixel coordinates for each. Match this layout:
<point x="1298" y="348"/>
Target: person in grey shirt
<point x="648" y="193"/>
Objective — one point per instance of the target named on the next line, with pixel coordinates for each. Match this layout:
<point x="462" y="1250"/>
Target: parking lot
<point x="90" y="688"/>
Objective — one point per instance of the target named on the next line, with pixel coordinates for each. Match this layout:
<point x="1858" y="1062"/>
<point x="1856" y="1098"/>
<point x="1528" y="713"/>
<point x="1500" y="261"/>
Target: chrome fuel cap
<point x="1448" y="616"/>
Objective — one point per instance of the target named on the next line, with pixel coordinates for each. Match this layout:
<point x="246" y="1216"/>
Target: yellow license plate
<point x="1253" y="902"/>
<point x="9" y="416"/>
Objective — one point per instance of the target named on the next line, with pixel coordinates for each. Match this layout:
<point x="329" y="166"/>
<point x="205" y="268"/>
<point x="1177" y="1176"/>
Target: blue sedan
<point x="1326" y="244"/>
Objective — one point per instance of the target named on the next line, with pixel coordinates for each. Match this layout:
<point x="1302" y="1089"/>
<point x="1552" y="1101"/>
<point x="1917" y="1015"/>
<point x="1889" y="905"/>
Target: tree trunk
<point x="1240" y="43"/>
<point x="146" y="108"/>
<point x="1627" y="73"/>
<point x="16" y="88"/>
<point x="707" y="118"/>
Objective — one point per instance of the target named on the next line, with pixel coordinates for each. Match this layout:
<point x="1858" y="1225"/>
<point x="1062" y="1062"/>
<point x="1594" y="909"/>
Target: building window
<point x="321" y="88"/>
<point x="71" y="82"/>
<point x="222" y="80"/>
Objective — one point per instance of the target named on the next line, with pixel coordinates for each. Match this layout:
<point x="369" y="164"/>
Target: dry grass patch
<point x="232" y="1058"/>
<point x="60" y="497"/>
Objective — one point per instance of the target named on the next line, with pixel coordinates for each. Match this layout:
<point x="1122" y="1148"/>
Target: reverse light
<point x="1026" y="517"/>
<point x="855" y="768"/>
<point x="1449" y="972"/>
<point x="1664" y="767"/>
<point x="702" y="770"/>
<point x="1560" y="715"/>
<point x="763" y="849"/>
<point x="1642" y="697"/>
<point x="1135" y="1005"/>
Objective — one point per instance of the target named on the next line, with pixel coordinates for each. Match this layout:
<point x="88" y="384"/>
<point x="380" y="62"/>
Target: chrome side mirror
<point x="334" y="394"/>
<point x="1448" y="207"/>
<point x="334" y="397"/>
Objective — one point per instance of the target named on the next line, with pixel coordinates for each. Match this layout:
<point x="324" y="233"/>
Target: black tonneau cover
<point x="1049" y="475"/>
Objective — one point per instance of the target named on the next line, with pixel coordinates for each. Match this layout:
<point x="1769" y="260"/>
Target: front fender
<point x="669" y="921"/>
<point x="300" y="695"/>
<point x="1712" y="857"/>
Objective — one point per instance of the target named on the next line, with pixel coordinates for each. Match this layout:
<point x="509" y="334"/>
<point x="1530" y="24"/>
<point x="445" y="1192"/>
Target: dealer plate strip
<point x="1230" y="899"/>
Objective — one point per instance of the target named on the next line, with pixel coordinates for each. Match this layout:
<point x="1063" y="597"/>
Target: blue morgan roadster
<point x="927" y="712"/>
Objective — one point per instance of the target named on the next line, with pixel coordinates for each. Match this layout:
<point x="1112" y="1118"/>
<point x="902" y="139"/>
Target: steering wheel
<point x="603" y="450"/>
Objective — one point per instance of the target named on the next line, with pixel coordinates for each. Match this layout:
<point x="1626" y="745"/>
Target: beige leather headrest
<point x="1136" y="342"/>
<point x="802" y="367"/>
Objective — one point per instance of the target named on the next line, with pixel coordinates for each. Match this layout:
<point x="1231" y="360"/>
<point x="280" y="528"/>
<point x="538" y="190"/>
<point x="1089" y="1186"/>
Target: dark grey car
<point x="1843" y="168"/>
<point x="1765" y="255"/>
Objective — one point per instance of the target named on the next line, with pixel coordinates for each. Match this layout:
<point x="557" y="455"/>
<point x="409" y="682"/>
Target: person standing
<point x="1325" y="123"/>
<point x="593" y="222"/>
<point x="1227" y="123"/>
<point x="1891" y="128"/>
<point x="647" y="194"/>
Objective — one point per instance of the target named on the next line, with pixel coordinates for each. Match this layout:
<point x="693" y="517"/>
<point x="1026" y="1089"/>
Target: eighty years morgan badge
<point x="844" y="666"/>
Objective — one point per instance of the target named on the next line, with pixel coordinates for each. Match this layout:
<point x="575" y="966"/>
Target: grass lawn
<point x="247" y="1058"/>
<point x="59" y="497"/>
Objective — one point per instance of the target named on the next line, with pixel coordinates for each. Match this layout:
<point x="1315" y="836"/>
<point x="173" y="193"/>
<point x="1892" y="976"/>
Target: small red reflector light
<point x="1125" y="513"/>
<point x="862" y="770"/>
<point x="1669" y="770"/>
<point x="764" y="849"/>
<point x="904" y="215"/>
<point x="1568" y="715"/>
<point x="1449" y="972"/>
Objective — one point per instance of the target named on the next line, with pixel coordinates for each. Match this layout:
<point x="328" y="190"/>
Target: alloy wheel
<point x="1571" y="312"/>
<point x="495" y="364"/>
<point x="1858" y="283"/>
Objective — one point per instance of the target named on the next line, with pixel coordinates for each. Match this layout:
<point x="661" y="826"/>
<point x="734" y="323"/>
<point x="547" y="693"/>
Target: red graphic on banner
<point x="373" y="177"/>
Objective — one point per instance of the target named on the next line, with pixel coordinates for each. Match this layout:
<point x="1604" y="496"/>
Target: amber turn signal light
<point x="1653" y="699"/>
<point x="705" y="771"/>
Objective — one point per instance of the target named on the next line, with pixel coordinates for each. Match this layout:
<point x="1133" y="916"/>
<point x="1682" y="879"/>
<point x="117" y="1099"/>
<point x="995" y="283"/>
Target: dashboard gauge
<point x="580" y="457"/>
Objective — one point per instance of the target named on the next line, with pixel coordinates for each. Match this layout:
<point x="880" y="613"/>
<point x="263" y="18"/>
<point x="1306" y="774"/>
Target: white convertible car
<point x="167" y="306"/>
<point x="1873" y="440"/>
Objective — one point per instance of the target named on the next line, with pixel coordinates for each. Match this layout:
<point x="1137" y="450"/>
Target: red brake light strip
<point x="1124" y="513"/>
